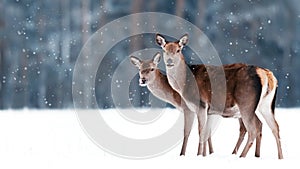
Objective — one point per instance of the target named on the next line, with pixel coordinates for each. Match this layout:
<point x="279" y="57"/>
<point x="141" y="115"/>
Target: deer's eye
<point x="152" y="69"/>
<point x="178" y="51"/>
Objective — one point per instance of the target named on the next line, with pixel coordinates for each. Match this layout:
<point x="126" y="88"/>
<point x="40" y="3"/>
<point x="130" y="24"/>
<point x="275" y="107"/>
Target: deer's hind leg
<point x="243" y="131"/>
<point x="241" y="136"/>
<point x="247" y="106"/>
<point x="254" y="127"/>
<point x="258" y="142"/>
<point x="268" y="113"/>
<point x="210" y="146"/>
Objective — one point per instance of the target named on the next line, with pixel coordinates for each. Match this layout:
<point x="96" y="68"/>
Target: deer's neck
<point x="182" y="80"/>
<point x="160" y="88"/>
<point x="177" y="76"/>
<point x="155" y="83"/>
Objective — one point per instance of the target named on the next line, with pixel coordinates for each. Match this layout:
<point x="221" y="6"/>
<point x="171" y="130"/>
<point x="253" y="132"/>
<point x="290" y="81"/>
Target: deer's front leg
<point x="207" y="133"/>
<point x="202" y="116"/>
<point x="188" y="123"/>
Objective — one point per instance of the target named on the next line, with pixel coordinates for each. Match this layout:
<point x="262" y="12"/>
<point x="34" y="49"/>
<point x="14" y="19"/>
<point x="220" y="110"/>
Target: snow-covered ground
<point x="55" y="139"/>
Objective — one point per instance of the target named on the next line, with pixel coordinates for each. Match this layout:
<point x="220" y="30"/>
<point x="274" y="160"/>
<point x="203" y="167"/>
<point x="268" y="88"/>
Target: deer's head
<point x="146" y="68"/>
<point x="172" y="51"/>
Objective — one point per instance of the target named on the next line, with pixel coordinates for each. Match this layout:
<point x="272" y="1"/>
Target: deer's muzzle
<point x="170" y="63"/>
<point x="143" y="82"/>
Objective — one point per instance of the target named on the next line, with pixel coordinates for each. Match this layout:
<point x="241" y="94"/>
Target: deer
<point x="158" y="85"/>
<point x="249" y="89"/>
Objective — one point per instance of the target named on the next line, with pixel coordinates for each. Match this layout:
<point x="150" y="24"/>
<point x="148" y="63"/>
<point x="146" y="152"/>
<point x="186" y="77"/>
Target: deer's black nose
<point x="143" y="81"/>
<point x="169" y="61"/>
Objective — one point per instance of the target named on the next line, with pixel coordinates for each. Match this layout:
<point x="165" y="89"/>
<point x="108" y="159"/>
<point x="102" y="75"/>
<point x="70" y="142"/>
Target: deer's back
<point x="241" y="79"/>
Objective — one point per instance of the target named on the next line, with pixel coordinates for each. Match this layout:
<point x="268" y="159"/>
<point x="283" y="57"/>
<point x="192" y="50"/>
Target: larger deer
<point x="158" y="85"/>
<point x="249" y="88"/>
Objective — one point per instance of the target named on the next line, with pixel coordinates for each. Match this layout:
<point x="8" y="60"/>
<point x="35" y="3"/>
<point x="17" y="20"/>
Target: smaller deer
<point x="158" y="85"/>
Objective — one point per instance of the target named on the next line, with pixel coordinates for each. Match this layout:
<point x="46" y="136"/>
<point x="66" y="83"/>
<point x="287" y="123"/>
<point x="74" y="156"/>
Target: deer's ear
<point x="160" y="40"/>
<point x="156" y="58"/>
<point x="184" y="40"/>
<point x="135" y="61"/>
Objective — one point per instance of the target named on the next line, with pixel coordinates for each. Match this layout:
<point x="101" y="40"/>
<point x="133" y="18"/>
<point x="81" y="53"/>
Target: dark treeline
<point x="41" y="40"/>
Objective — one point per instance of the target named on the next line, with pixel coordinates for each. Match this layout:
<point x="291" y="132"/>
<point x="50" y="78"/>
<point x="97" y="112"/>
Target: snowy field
<point x="55" y="139"/>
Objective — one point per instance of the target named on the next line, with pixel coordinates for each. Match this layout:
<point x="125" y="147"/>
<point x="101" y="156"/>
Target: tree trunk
<point x="87" y="103"/>
<point x="179" y="8"/>
<point x="136" y="44"/>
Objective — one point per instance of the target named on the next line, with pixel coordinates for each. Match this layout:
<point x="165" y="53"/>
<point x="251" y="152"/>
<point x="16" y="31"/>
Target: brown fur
<point x="272" y="83"/>
<point x="171" y="48"/>
<point x="236" y="74"/>
<point x="245" y="84"/>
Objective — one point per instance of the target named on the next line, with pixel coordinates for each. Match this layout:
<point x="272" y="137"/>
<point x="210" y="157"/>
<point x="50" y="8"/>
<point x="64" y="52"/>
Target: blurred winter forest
<point x="41" y="40"/>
